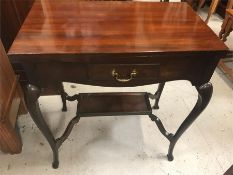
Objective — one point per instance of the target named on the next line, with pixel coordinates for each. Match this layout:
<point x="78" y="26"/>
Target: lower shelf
<point x="108" y="104"/>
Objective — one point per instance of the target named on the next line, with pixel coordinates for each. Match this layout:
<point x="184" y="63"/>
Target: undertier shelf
<point x="108" y="104"/>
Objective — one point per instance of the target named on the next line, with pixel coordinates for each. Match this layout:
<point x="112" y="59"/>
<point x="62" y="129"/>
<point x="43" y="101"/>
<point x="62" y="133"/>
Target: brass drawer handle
<point x="122" y="80"/>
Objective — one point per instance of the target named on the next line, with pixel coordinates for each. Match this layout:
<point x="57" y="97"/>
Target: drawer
<point x="124" y="73"/>
<point x="60" y="72"/>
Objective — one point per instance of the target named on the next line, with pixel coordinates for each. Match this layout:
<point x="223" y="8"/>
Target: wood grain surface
<point x="67" y="27"/>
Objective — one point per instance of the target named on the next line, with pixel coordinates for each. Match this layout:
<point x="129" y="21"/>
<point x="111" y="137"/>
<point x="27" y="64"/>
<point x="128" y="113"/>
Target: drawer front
<point x="125" y="74"/>
<point x="114" y="74"/>
<point x="54" y="73"/>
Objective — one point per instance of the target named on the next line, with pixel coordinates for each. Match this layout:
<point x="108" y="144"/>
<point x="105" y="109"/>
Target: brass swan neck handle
<point x="123" y="80"/>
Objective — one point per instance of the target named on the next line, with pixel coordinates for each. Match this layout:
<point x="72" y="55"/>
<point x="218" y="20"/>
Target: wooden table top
<point x="70" y="26"/>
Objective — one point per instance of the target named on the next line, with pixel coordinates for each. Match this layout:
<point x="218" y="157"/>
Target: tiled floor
<point x="133" y="144"/>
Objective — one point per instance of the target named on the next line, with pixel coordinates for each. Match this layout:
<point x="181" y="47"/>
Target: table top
<point x="70" y="26"/>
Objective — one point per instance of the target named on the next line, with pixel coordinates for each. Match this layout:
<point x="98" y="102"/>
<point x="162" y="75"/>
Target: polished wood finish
<point x="96" y="27"/>
<point x="12" y="14"/>
<point x="83" y="42"/>
<point x="69" y="35"/>
<point x="79" y="68"/>
<point x="107" y="104"/>
<point x="10" y="101"/>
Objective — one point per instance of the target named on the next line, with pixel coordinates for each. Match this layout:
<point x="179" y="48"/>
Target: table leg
<point x="224" y="25"/>
<point x="228" y="30"/>
<point x="157" y="95"/>
<point x="32" y="95"/>
<point x="212" y="9"/>
<point x="201" y="3"/>
<point x="204" y="95"/>
<point x="63" y="98"/>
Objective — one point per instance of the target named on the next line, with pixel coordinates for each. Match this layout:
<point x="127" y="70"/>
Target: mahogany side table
<point x="114" y="44"/>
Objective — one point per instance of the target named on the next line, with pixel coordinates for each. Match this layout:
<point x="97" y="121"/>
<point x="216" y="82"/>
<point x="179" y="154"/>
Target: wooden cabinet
<point x="11" y="102"/>
<point x="13" y="13"/>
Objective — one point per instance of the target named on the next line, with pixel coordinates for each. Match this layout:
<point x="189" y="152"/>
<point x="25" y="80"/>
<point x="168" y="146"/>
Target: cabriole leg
<point x="31" y="96"/>
<point x="204" y="95"/>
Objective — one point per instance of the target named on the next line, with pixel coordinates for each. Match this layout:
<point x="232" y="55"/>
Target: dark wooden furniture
<point x="223" y="65"/>
<point x="12" y="15"/>
<point x="227" y="25"/>
<point x="197" y="4"/>
<point x="213" y="6"/>
<point x="11" y="102"/>
<point x="216" y="5"/>
<point x="226" y="29"/>
<point x="92" y="43"/>
<point x="229" y="171"/>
